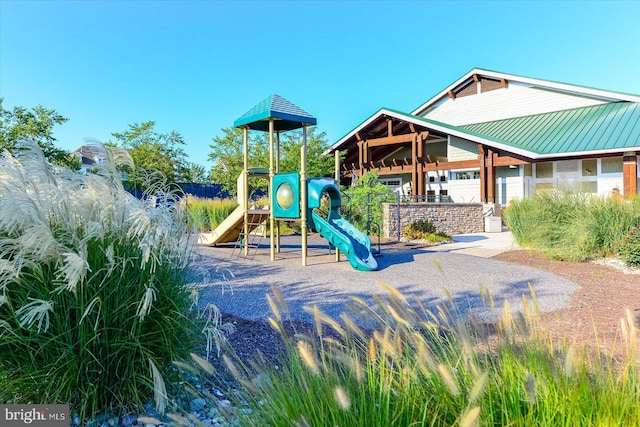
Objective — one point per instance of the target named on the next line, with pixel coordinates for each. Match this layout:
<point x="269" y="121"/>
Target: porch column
<point x="630" y="173"/>
<point x="360" y="157"/>
<point x="483" y="173"/>
<point x="487" y="175"/>
<point x="491" y="177"/>
<point x="414" y="166"/>
<point x="421" y="180"/>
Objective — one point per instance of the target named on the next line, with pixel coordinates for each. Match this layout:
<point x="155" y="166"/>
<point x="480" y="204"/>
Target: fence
<point x="205" y="191"/>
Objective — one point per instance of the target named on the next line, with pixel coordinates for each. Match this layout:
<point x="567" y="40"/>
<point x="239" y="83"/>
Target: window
<point x="589" y="167"/>
<point x="467" y="175"/>
<point x="611" y="165"/>
<point x="544" y="170"/>
<point x="394" y="184"/>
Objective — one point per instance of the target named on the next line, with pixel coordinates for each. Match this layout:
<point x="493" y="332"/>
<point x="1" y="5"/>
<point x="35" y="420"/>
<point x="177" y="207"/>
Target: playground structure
<point x="292" y="195"/>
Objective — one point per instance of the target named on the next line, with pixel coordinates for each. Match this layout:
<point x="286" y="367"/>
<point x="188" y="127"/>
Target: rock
<point x="127" y="420"/>
<point x="197" y="404"/>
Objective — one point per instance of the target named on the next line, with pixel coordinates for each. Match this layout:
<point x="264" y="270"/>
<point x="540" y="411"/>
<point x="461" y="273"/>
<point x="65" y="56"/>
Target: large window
<point x="544" y="170"/>
<point x="611" y="165"/>
<point x="465" y="175"/>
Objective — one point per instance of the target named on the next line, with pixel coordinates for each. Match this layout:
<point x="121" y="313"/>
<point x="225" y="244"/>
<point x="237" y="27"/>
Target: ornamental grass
<point x="572" y="226"/>
<point x="94" y="303"/>
<point x="421" y="367"/>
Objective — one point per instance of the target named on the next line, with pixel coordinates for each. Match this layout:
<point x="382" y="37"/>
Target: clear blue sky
<point x="196" y="66"/>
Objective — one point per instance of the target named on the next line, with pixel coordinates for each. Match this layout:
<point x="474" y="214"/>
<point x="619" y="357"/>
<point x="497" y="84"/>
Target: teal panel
<point x="285" y="195"/>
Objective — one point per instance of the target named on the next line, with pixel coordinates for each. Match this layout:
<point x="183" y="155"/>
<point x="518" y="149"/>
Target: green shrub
<point x="419" y="229"/>
<point x="93" y="296"/>
<point x="569" y="226"/>
<point x="362" y="204"/>
<point x="629" y="248"/>
<point x="422" y="367"/>
<point x="206" y="214"/>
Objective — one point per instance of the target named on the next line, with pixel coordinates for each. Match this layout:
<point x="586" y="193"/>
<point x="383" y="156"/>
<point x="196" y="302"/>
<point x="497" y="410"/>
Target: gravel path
<point x="416" y="271"/>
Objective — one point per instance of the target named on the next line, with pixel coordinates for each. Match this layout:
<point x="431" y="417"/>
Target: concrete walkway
<point x="238" y="285"/>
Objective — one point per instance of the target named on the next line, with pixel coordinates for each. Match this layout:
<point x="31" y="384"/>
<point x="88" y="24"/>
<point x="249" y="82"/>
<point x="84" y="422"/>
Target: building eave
<point x="610" y="96"/>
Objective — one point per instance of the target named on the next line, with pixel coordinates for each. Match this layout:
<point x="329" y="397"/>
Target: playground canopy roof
<point x="286" y="116"/>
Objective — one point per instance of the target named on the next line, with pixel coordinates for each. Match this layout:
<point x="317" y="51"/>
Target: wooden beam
<point x="508" y="161"/>
<point x="476" y="78"/>
<point x="463" y="164"/>
<point x="390" y="140"/>
<point x="412" y="128"/>
<point x="451" y="94"/>
<point x="389" y="127"/>
<point x="358" y="136"/>
<point x="504" y="82"/>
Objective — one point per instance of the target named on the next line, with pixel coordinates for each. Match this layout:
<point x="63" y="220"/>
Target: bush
<point x="93" y="296"/>
<point x="629" y="248"/>
<point x="419" y="229"/>
<point x="423" y="229"/>
<point x="573" y="227"/>
<point x="362" y="204"/>
<point x="206" y="214"/>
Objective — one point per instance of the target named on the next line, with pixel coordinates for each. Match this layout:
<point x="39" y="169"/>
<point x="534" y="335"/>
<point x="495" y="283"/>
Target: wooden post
<point x="360" y="157"/>
<point x="491" y="177"/>
<point x="245" y="190"/>
<point x="271" y="173"/>
<point x="277" y="171"/>
<point x="414" y="166"/>
<point x="421" y="180"/>
<point x="630" y="174"/>
<point x="337" y="178"/>
<point x="303" y="194"/>
<point x="483" y="173"/>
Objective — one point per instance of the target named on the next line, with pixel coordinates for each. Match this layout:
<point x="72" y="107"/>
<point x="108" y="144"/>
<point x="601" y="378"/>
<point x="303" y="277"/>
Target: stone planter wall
<point x="450" y="218"/>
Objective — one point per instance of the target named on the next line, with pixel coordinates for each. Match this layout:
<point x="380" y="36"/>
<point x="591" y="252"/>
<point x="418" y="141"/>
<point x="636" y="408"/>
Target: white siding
<point x="508" y="189"/>
<point x="461" y="149"/>
<point x="516" y="100"/>
<point x="465" y="190"/>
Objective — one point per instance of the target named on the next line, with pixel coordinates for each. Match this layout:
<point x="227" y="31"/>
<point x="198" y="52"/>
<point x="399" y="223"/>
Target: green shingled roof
<point x="287" y="115"/>
<point x="608" y="126"/>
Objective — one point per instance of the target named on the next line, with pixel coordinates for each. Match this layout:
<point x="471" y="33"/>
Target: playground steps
<point x="253" y="240"/>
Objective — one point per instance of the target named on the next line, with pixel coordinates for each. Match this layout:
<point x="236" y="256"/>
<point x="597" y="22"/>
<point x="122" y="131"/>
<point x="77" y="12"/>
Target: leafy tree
<point x="37" y="125"/>
<point x="228" y="158"/>
<point x="195" y="173"/>
<point x="153" y="151"/>
<point x="227" y="155"/>
<point x="363" y="204"/>
<point x="317" y="164"/>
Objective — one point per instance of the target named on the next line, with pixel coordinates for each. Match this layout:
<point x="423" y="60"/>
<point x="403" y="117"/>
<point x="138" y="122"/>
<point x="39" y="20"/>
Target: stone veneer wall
<point x="450" y="218"/>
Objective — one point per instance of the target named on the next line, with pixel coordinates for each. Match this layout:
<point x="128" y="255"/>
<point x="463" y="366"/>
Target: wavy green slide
<point x="353" y="243"/>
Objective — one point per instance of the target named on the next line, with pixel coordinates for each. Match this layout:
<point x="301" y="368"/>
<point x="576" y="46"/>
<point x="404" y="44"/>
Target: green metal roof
<point x="287" y="115"/>
<point x="608" y="126"/>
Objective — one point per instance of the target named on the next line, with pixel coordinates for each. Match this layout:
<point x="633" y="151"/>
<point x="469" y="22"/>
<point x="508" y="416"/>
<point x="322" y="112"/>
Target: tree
<point x="227" y="155"/>
<point x="228" y="158"/>
<point x="36" y="125"/>
<point x="317" y="164"/>
<point x="153" y="151"/>
<point x="194" y="173"/>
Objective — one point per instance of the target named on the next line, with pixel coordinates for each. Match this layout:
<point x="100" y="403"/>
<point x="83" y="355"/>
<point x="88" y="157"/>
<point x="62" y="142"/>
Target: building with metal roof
<point x="493" y="137"/>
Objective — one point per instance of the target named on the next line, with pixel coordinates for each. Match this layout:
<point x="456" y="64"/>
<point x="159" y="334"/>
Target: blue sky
<point x="196" y="66"/>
